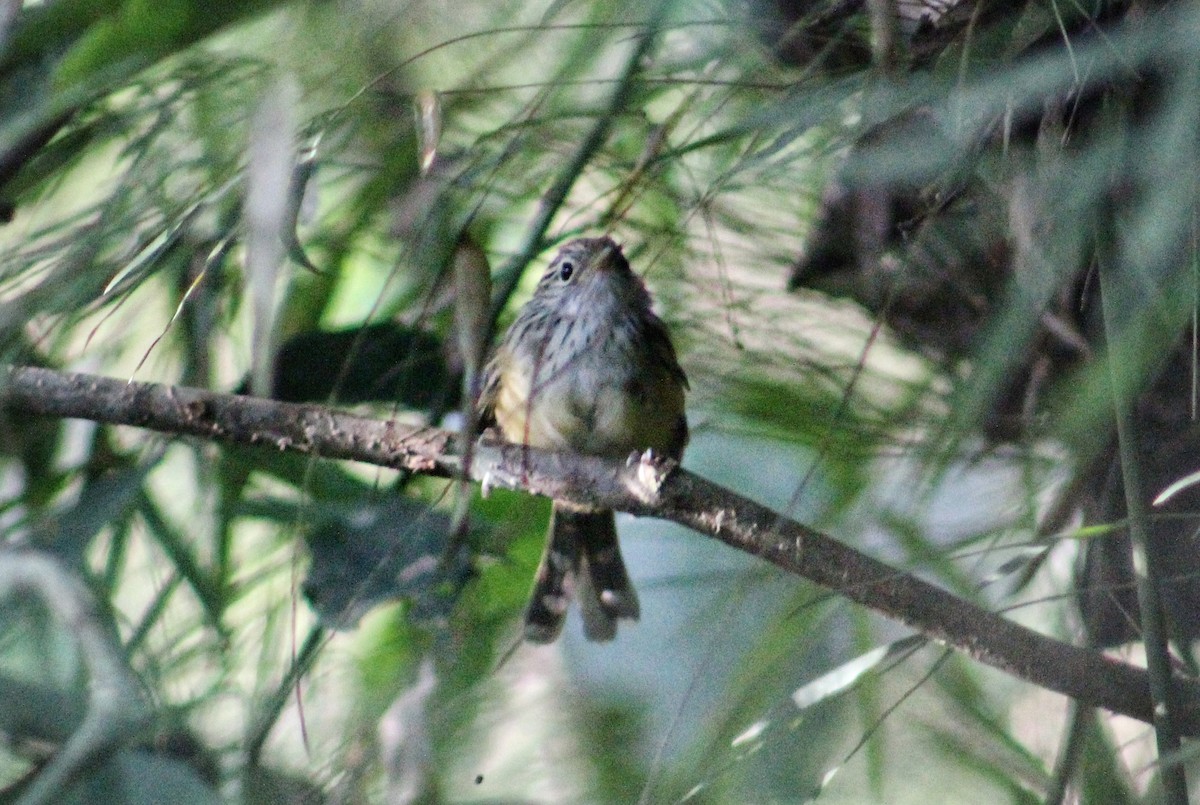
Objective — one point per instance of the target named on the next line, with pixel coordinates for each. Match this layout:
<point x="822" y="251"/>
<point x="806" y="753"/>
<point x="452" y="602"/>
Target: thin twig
<point x="1146" y="565"/>
<point x="510" y="274"/>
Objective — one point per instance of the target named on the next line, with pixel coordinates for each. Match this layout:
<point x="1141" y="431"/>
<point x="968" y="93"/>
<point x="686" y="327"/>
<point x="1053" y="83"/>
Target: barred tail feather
<point x="581" y="552"/>
<point x="552" y="584"/>
<point x="604" y="569"/>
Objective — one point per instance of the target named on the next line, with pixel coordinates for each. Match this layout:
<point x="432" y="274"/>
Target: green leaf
<point x="102" y="501"/>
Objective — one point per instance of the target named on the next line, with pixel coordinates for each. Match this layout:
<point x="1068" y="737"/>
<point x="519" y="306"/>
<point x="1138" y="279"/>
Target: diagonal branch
<point x="641" y="488"/>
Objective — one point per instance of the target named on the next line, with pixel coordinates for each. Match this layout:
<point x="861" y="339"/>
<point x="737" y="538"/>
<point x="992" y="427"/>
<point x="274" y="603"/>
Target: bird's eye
<point x="566" y="270"/>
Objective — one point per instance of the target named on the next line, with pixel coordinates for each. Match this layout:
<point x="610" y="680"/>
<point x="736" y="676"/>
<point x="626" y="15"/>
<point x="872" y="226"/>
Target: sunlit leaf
<point x="847" y="675"/>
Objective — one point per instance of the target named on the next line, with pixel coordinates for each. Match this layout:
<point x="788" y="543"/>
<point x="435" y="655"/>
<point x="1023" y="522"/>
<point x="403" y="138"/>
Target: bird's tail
<point x="581" y="556"/>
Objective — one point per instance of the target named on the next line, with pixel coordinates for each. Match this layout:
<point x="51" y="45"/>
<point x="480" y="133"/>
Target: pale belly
<point x="596" y="407"/>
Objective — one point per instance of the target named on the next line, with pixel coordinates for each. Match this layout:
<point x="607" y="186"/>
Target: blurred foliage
<point x="877" y="232"/>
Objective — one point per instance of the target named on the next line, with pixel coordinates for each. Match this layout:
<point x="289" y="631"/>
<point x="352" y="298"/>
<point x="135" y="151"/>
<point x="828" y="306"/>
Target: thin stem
<point x="273" y="706"/>
<point x="1145" y="567"/>
<point x="510" y="274"/>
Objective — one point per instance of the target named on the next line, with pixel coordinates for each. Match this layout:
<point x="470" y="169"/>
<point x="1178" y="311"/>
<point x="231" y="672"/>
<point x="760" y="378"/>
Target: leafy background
<point x="305" y="630"/>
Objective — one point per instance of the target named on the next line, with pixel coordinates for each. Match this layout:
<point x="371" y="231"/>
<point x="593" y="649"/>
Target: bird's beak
<point x="609" y="259"/>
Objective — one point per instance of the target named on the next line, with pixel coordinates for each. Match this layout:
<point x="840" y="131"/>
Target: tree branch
<point x="641" y="488"/>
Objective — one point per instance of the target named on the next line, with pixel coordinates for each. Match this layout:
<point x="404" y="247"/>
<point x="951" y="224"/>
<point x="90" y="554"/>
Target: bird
<point x="586" y="366"/>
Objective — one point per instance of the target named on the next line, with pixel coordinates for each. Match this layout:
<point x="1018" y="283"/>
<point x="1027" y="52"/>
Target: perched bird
<point x="587" y="366"/>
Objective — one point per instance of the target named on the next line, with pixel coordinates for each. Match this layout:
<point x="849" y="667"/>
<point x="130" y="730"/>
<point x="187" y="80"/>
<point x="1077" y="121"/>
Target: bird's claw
<point x="652" y="469"/>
